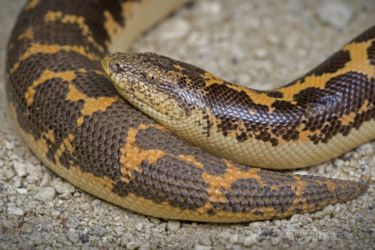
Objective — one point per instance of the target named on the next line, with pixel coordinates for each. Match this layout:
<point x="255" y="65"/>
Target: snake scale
<point x="70" y="115"/>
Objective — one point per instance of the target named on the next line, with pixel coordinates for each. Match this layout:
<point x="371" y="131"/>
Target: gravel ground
<point x="265" y="43"/>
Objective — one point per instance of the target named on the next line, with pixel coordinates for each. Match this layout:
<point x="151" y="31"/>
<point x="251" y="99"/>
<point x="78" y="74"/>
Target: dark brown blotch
<point x="168" y="180"/>
<point x="100" y="86"/>
<point x="365" y="35"/>
<point x="274" y="94"/>
<point x="97" y="142"/>
<point x="332" y="64"/>
<point x="371" y="53"/>
<point x="247" y="194"/>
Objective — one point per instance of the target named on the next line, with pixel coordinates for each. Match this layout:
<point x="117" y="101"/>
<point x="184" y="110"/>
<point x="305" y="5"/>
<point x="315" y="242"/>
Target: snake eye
<point x="152" y="76"/>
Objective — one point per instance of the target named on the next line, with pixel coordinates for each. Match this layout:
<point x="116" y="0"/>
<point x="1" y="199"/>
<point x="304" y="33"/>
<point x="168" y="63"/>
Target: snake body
<point x="323" y="114"/>
<point x="71" y="117"/>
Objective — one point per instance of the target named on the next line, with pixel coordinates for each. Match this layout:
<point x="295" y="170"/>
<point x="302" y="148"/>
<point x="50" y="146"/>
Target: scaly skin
<point x="317" y="117"/>
<point x="72" y="118"/>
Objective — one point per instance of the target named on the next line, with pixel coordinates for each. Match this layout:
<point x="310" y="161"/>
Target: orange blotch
<point x="132" y="155"/>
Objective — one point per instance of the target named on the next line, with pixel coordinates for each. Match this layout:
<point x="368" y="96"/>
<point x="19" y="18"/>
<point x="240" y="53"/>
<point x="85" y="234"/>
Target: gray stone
<point x="63" y="187"/>
<point x="20" y="169"/>
<point x="133" y="245"/>
<point x="234" y="238"/>
<point x="98" y="230"/>
<point x="46" y="194"/>
<point x="73" y="236"/>
<point x="200" y="247"/>
<point x="22" y="190"/>
<point x="335" y="13"/>
<point x="177" y="29"/>
<point x="173" y="225"/>
<point x="15" y="211"/>
<point x="139" y="226"/>
<point x="250" y="240"/>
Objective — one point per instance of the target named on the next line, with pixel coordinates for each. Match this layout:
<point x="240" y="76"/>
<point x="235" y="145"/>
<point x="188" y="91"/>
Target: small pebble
<point x="61" y="238"/>
<point x="15" y="211"/>
<point x="63" y="187"/>
<point x="73" y="236"/>
<point x="6" y="174"/>
<point x="45" y="180"/>
<point x="335" y="13"/>
<point x="72" y="222"/>
<point x="250" y="240"/>
<point x="179" y="28"/>
<point x="21" y="190"/>
<point x="98" y="230"/>
<point x="261" y="53"/>
<point x="328" y="210"/>
<point x="200" y="247"/>
<point x="295" y="218"/>
<point x="35" y="170"/>
<point x="17" y="181"/>
<point x="133" y="245"/>
<point x="213" y="7"/>
<point x="46" y="194"/>
<point x="32" y="179"/>
<point x="205" y="240"/>
<point x="173" y="225"/>
<point x="37" y="237"/>
<point x="139" y="226"/>
<point x="233" y="238"/>
<point x="9" y="145"/>
<point x="55" y="213"/>
<point x="20" y="169"/>
<point x="145" y="246"/>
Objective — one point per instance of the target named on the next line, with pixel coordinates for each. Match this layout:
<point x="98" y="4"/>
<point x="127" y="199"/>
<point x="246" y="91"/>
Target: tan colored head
<point x="165" y="89"/>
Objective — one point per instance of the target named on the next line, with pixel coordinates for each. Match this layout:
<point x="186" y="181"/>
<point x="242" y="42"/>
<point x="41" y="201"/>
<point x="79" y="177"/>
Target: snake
<point x="67" y="111"/>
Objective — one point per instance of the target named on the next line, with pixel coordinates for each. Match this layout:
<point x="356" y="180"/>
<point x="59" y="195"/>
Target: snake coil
<point x="72" y="118"/>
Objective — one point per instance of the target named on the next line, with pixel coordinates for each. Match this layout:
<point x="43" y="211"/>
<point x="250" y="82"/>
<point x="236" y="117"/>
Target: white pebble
<point x="301" y="172"/>
<point x="34" y="170"/>
<point x="261" y="53"/>
<point x="17" y="181"/>
<point x="234" y="238"/>
<point x="21" y="190"/>
<point x="250" y="240"/>
<point x="295" y="218"/>
<point x="20" y="169"/>
<point x="45" y="180"/>
<point x="139" y="226"/>
<point x="16" y="211"/>
<point x="173" y="225"/>
<point x="133" y="245"/>
<point x="335" y="13"/>
<point x="177" y="29"/>
<point x="55" y="213"/>
<point x="9" y="145"/>
<point x="200" y="247"/>
<point x="64" y="187"/>
<point x="46" y="194"/>
<point x="32" y="179"/>
<point x="211" y="6"/>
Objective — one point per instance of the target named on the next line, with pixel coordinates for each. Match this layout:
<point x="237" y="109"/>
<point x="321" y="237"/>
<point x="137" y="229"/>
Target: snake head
<point x="163" y="88"/>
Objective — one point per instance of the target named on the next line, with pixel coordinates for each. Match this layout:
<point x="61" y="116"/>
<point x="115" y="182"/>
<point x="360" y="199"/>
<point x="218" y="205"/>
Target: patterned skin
<point x="71" y="117"/>
<point x="317" y="117"/>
